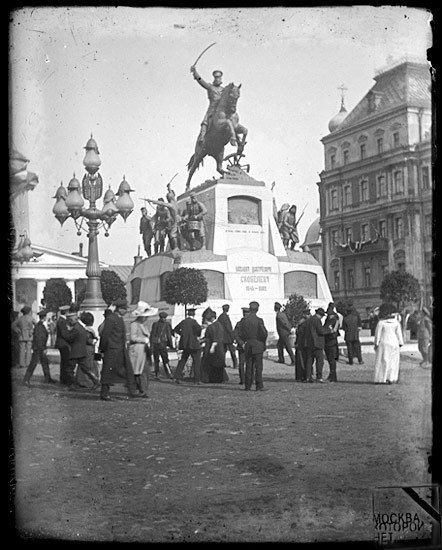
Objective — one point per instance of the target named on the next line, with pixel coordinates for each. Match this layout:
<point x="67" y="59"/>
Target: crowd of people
<point x="127" y="356"/>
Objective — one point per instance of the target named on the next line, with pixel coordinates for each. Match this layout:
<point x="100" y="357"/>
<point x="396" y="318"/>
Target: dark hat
<point x="320" y="311"/>
<point x="162" y="314"/>
<point x="278" y="305"/>
<point x="63" y="308"/>
<point x="226" y="306"/>
<point x="191" y="310"/>
<point x="331" y="304"/>
<point x="42" y="313"/>
<point x="25" y="310"/>
<point x="121" y="302"/>
<point x="254" y="305"/>
<point x="217" y="72"/>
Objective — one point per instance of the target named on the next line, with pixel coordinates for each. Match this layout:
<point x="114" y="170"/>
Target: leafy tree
<point x="186" y="286"/>
<point x="295" y="308"/>
<point x="400" y="287"/>
<point x="56" y="293"/>
<point x="112" y="287"/>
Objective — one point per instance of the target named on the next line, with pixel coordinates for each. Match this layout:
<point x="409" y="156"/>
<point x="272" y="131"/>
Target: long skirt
<point x="81" y="379"/>
<point x="137" y="355"/>
<point x="213" y="366"/>
<point x="386" y="364"/>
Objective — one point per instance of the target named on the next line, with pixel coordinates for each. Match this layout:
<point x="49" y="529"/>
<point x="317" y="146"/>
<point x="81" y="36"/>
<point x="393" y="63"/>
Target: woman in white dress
<point x="387" y="342"/>
<point x="139" y="338"/>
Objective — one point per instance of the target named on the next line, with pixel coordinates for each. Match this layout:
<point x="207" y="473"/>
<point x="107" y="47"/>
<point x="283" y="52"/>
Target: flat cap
<point x="320" y="311"/>
<point x="162" y="314"/>
<point x="254" y="305"/>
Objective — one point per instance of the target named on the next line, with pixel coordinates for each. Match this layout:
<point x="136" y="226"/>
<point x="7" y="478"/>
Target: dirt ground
<point x="297" y="462"/>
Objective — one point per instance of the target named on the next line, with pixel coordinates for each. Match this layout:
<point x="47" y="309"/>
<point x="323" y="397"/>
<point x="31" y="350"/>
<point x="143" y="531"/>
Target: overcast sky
<point x="123" y="75"/>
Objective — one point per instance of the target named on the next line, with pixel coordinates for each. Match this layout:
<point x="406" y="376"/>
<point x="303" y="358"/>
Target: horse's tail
<point x="192" y="160"/>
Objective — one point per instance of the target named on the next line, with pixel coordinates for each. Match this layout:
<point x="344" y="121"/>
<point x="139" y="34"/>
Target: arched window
<point x="215" y="282"/>
<point x="303" y="283"/>
<point x="135" y="289"/>
<point x="163" y="278"/>
<point x="244" y="210"/>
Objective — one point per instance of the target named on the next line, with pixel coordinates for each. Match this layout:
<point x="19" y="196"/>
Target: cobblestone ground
<point x="214" y="463"/>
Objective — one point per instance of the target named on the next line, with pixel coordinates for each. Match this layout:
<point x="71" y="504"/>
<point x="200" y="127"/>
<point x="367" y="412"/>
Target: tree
<point x="186" y="286"/>
<point x="400" y="287"/>
<point x="295" y="308"/>
<point x="112" y="288"/>
<point x="56" y="293"/>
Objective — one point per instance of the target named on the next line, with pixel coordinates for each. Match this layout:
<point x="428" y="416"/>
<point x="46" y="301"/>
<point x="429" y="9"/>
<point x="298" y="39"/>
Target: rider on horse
<point x="214" y="91"/>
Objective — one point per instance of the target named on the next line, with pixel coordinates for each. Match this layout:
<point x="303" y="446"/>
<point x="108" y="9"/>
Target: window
<point x="347" y="195"/>
<point x="337" y="280"/>
<point x="346" y="155"/>
<point x="398" y="228"/>
<point x="364" y="190"/>
<point x="334" y="238"/>
<point x="383" y="228"/>
<point x="397" y="182"/>
<point x="332" y="161"/>
<point x="363" y="150"/>
<point x="350" y="279"/>
<point x="163" y="279"/>
<point x="384" y="270"/>
<point x="367" y="277"/>
<point x="333" y="199"/>
<point x="364" y="232"/>
<point x="396" y="139"/>
<point x="401" y="267"/>
<point x="382" y="186"/>
<point x="380" y="142"/>
<point x="428" y="224"/>
<point x="348" y="234"/>
<point x="425" y="178"/>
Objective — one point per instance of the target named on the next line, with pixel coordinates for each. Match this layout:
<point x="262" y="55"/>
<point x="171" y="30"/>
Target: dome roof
<point x="338" y="119"/>
<point x="313" y="235"/>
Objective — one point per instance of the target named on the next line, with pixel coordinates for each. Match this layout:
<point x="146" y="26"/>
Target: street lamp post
<point x="70" y="203"/>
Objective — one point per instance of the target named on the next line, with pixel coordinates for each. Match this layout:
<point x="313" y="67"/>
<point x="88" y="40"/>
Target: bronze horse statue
<point x="223" y="127"/>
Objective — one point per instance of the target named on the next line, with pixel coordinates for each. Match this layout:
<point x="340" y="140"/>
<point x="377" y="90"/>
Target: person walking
<point x="160" y="340"/>
<point x="78" y="338"/>
<point x="39" y="346"/>
<point x="213" y="360"/>
<point x="240" y="345"/>
<point x="301" y="350"/>
<point x="228" y="335"/>
<point x="254" y="333"/>
<point x="387" y="343"/>
<point x="117" y="366"/>
<point x="82" y="380"/>
<point x="24" y="327"/>
<point x="139" y="339"/>
<point x="189" y="331"/>
<point x="424" y="336"/>
<point x="62" y="345"/>
<point x="351" y="326"/>
<point x="284" y="329"/>
<point x="331" y="341"/>
<point x="315" y="343"/>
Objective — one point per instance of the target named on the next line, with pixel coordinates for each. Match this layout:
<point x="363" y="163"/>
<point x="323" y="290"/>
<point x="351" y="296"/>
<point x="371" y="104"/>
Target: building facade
<point x="376" y="188"/>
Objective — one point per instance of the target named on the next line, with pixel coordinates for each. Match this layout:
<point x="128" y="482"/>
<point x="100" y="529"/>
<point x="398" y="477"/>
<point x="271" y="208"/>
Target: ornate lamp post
<point x="70" y="203"/>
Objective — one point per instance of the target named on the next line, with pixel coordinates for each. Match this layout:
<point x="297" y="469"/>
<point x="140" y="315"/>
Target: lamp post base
<point x="93" y="298"/>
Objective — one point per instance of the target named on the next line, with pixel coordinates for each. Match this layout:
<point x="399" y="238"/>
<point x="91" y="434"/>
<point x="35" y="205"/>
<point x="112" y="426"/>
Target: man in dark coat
<point x="146" y="230"/>
<point x="331" y="341"/>
<point x="116" y="362"/>
<point x="62" y="345"/>
<point x="240" y="343"/>
<point x="315" y="343"/>
<point x="254" y="334"/>
<point x="78" y="338"/>
<point x="39" y="343"/>
<point x="160" y="339"/>
<point x="284" y="328"/>
<point x="301" y="351"/>
<point x="189" y="331"/>
<point x="229" y="336"/>
<point x="352" y="325"/>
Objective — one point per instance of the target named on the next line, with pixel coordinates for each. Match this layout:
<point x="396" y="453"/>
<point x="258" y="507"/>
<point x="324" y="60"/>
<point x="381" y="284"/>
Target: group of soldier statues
<point x="184" y="229"/>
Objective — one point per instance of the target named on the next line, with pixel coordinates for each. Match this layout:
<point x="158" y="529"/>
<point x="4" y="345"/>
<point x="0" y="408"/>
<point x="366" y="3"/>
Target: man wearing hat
<point x="161" y="339"/>
<point x="117" y="367"/>
<point x="284" y="329"/>
<point x="315" y="343"/>
<point x="24" y="327"/>
<point x="214" y="91"/>
<point x="62" y="345"/>
<point x="331" y="341"/>
<point x="254" y="334"/>
<point x="352" y="325"/>
<point x="189" y="331"/>
<point x="240" y="345"/>
<point x="39" y="341"/>
<point x="228" y="335"/>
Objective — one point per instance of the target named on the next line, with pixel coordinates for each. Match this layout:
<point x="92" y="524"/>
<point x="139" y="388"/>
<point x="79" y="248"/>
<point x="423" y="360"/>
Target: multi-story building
<point x="376" y="191"/>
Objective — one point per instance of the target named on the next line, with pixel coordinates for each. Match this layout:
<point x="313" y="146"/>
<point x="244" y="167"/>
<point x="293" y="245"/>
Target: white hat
<point x="144" y="310"/>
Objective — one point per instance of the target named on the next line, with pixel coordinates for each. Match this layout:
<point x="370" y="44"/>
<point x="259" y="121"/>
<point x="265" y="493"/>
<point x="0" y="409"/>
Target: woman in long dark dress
<point x="213" y="363"/>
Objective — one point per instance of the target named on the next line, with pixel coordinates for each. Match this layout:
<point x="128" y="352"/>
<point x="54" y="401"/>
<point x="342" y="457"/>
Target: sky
<point x="123" y="75"/>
